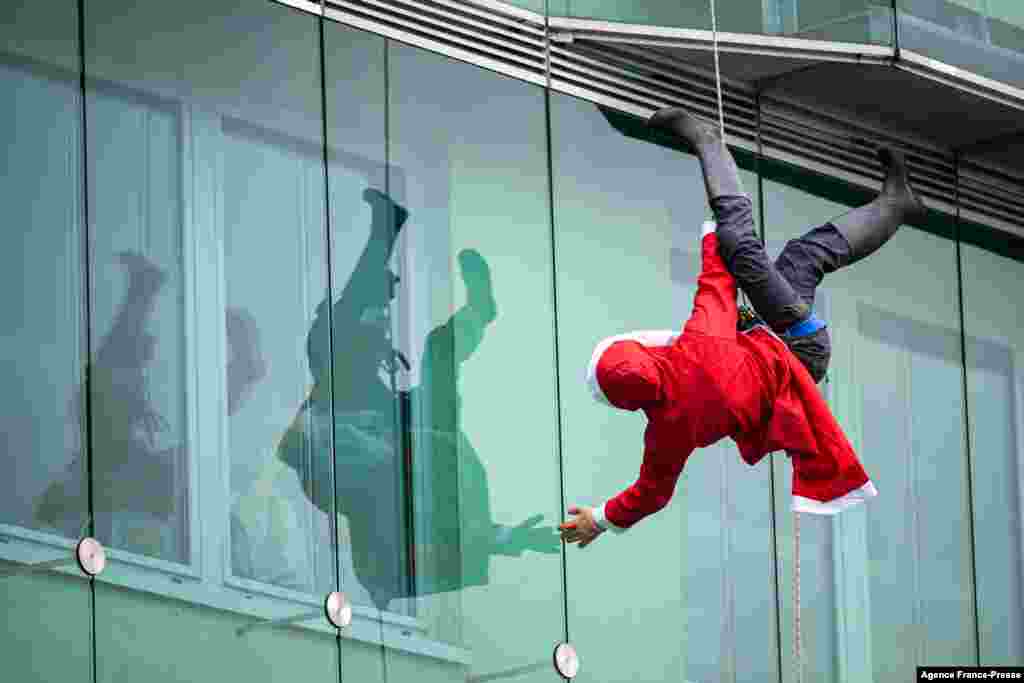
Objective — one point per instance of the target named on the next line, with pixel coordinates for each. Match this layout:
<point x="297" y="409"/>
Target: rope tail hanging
<point x="797" y="654"/>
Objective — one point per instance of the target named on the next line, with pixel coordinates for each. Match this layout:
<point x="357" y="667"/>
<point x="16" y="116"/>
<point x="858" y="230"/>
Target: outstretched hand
<point x="581" y="528"/>
<point x="528" y="536"/>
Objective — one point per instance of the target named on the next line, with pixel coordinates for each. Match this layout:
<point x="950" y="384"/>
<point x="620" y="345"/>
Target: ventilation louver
<point x="514" y="42"/>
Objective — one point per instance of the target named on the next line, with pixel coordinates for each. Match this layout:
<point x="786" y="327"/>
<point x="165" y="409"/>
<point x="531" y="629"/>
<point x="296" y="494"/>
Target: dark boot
<point x="772" y="296"/>
<point x="388" y="216"/>
<point x="721" y="177"/>
<point x="869" y="227"/>
<point x="476" y="274"/>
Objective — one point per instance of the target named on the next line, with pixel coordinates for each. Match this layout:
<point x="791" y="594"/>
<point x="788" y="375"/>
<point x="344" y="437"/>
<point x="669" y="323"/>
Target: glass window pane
<point x="995" y="335"/>
<point x="137" y="372"/>
<point x="207" y="207"/>
<point x="853" y="21"/>
<point x="885" y="586"/>
<point x="42" y="34"/>
<point x="442" y="274"/>
<point x="537" y="6"/>
<point x="700" y="587"/>
<point x="982" y="36"/>
<point x="44" y="496"/>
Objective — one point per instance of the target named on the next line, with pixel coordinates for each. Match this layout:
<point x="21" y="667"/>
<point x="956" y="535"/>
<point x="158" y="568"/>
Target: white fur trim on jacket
<point x="603" y="521"/>
<point x="645" y="337"/>
<point x="707" y="227"/>
<point x="832" y="507"/>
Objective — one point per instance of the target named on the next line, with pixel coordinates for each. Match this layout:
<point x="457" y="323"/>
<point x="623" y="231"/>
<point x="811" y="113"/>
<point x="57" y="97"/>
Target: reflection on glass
<point x="137" y="393"/>
<point x="456" y="470"/>
<point x="39" y="35"/>
<point x="42" y="339"/>
<point x="273" y="188"/>
<point x="43" y="336"/>
<point x="126" y="426"/>
<point x="876" y="582"/>
<point x="981" y="36"/>
<point x="994" y="380"/>
<point x="366" y="468"/>
<point x="855" y="21"/>
<point x="207" y="162"/>
<point x="469" y="489"/>
<point x="376" y="489"/>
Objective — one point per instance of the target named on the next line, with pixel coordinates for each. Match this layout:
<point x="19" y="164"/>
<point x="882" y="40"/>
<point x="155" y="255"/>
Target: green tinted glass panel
<point x="854" y="21"/>
<point x="40" y="34"/>
<point x="985" y="37"/>
<point x="208" y="258"/>
<point x="887" y="585"/>
<point x="688" y="593"/>
<point x="44" y="493"/>
<point x="537" y="6"/>
<point x="442" y="278"/>
<point x="995" y="335"/>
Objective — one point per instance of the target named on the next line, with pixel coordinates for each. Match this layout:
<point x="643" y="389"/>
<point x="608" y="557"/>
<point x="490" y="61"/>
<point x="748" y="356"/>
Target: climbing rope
<point x="797" y="654"/>
<point x="797" y="663"/>
<point x="718" y="71"/>
<point x="721" y="105"/>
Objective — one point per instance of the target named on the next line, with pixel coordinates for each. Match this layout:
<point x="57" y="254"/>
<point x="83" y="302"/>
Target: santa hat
<point x="622" y="371"/>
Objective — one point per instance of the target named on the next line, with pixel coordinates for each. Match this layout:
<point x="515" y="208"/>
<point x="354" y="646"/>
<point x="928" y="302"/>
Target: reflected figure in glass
<point x="131" y="472"/>
<point x="407" y="479"/>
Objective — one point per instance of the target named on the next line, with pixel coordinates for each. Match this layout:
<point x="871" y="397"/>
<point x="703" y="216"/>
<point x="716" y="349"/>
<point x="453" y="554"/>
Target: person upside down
<point x="748" y="375"/>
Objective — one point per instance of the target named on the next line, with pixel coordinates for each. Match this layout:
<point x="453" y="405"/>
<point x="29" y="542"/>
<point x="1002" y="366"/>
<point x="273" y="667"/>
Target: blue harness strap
<point x="808" y="325"/>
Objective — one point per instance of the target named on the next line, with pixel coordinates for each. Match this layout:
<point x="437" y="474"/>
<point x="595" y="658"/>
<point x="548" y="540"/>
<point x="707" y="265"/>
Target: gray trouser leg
<point x="782" y="292"/>
<point x="773" y="297"/>
<point x="804" y="262"/>
<point x="807" y="259"/>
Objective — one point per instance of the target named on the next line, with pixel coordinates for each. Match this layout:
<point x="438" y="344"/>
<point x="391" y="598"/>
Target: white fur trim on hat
<point x="831" y="507"/>
<point x="707" y="227"/>
<point x="645" y="337"/>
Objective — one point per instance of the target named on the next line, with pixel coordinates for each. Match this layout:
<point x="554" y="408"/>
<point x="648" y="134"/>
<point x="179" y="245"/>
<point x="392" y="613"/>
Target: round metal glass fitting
<point x="91" y="556"/>
<point x="338" y="609"/>
<point x="567" y="663"/>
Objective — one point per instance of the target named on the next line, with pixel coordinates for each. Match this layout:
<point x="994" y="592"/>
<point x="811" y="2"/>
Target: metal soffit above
<point x="823" y="105"/>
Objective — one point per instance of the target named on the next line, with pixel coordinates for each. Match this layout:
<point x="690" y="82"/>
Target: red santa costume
<point x="710" y="382"/>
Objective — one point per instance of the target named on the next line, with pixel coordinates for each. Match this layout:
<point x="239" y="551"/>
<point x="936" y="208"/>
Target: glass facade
<point x="303" y="309"/>
<point x="993" y="391"/>
<point x="848" y="21"/>
<point x="981" y="36"/>
<point x="634" y="209"/>
<point x="889" y="585"/>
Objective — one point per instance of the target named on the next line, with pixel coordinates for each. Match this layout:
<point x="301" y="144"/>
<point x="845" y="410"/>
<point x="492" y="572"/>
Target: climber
<point x="782" y="293"/>
<point x="713" y="381"/>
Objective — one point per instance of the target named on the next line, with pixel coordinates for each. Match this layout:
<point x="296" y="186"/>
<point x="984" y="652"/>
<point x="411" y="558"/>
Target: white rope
<point x="797" y="663"/>
<point x="718" y="71"/>
<point x="721" y="106"/>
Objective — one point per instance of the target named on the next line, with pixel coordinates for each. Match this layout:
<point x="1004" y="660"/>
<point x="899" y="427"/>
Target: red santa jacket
<point x="711" y="382"/>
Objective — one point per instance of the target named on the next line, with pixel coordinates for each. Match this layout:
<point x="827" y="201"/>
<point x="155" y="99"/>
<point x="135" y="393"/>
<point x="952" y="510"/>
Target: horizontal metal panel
<point x="960" y="79"/>
<point x="467" y="55"/>
<point x="456" y="34"/>
<point x="614" y="65"/>
<point x="637" y="34"/>
<point x="451" y="15"/>
<point x="567" y="70"/>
